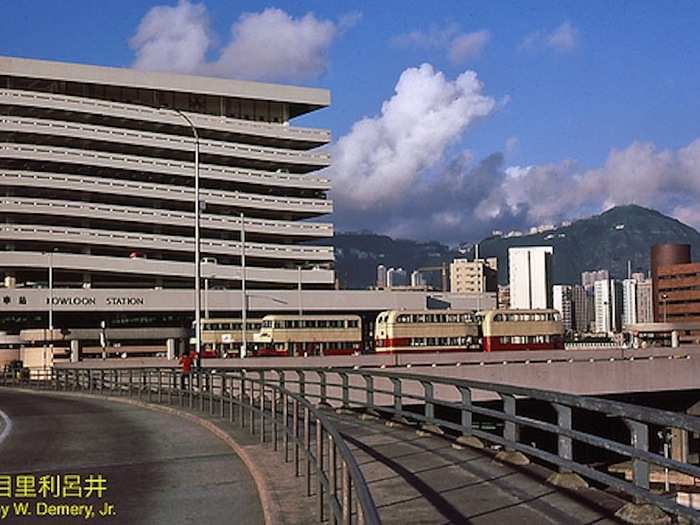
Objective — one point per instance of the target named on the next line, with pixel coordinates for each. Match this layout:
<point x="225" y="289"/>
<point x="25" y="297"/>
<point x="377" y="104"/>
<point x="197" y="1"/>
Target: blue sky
<point x="616" y="90"/>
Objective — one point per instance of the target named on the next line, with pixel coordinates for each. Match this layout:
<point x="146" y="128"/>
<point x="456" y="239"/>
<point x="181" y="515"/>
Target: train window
<point x="498" y="317"/>
<point x="352" y="324"/>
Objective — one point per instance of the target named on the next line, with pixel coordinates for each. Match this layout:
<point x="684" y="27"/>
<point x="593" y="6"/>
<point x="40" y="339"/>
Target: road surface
<point x="158" y="468"/>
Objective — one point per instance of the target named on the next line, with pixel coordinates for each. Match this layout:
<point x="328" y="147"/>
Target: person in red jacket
<point x="187" y="359"/>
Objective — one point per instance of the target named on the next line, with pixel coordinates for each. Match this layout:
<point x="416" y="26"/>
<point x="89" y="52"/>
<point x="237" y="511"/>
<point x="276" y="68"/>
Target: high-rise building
<point x="629" y="302"/>
<point x="477" y="276"/>
<point x="98" y="170"/>
<point x="674" y="277"/>
<point x="589" y="278"/>
<point x="562" y="301"/>
<point x="381" y="276"/>
<point x="608" y="306"/>
<point x="645" y="303"/>
<point x="582" y="308"/>
<point x="530" y="270"/>
<point x="396" y="277"/>
<point x="503" y="297"/>
<point x="417" y="279"/>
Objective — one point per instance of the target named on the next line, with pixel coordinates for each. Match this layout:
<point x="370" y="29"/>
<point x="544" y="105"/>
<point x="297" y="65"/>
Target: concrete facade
<point x="477" y="276"/>
<point x="97" y="168"/>
<point x="530" y="270"/>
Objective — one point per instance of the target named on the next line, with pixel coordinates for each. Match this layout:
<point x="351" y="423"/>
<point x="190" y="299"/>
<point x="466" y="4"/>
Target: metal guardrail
<point x="290" y="422"/>
<point x="350" y="388"/>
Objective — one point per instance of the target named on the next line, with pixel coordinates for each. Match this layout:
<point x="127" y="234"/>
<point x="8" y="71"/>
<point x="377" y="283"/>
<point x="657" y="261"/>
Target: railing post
<point x="242" y="404"/>
<point x="323" y="401"/>
<point x="369" y="389"/>
<point x="511" y="434"/>
<point x="285" y="419"/>
<point x="222" y="393"/>
<point x="307" y="446"/>
<point x="251" y="405"/>
<point x="345" y="382"/>
<point x="262" y="409"/>
<point x="429" y="426"/>
<point x="319" y="469"/>
<point x="346" y="493"/>
<point x="302" y="383"/>
<point x="273" y="408"/>
<point x="639" y="437"/>
<point x="295" y="430"/>
<point x="467" y="438"/>
<point x="565" y="477"/>
<point x="231" y="414"/>
<point x="332" y="489"/>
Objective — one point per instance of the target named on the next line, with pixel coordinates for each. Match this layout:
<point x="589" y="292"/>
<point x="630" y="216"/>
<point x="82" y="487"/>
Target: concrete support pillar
<point x="674" y="339"/>
<point x="679" y="444"/>
<point x="181" y="346"/>
<point x="170" y="349"/>
<point x="74" y="351"/>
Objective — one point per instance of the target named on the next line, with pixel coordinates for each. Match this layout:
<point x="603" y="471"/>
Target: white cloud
<point x="459" y="47"/>
<point x="172" y="38"/>
<point x="468" y="46"/>
<point x="666" y="180"/>
<point x="271" y="45"/>
<point x="563" y="38"/>
<point x="383" y="158"/>
<point x="268" y="45"/>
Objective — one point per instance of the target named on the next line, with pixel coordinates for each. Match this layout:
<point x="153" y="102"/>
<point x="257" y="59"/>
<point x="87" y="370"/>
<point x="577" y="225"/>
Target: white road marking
<point x="7" y="428"/>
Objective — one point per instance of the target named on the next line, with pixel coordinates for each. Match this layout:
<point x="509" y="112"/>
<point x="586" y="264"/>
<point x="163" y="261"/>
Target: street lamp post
<point x="664" y="298"/>
<point x="197" y="261"/>
<point x="244" y="297"/>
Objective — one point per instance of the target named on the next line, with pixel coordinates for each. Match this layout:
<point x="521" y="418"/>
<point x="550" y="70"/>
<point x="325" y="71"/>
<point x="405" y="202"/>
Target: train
<point x="395" y="331"/>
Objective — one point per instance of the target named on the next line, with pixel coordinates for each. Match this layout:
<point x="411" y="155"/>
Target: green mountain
<point x="357" y="256"/>
<point x="605" y="241"/>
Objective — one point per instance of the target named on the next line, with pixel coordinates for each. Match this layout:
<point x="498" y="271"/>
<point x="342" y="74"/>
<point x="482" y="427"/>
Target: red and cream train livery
<point x="521" y="330"/>
<point x="414" y="331"/>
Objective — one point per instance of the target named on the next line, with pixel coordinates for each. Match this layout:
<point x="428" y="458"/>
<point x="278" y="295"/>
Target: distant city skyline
<point x="448" y="122"/>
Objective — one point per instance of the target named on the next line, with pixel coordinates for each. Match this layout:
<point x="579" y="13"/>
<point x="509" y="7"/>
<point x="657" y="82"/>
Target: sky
<point x="450" y="119"/>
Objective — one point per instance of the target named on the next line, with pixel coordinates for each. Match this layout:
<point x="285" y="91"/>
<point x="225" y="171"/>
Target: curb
<point x="271" y="510"/>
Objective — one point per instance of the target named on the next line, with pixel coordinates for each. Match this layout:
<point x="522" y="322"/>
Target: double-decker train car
<point x="521" y="330"/>
<point x="291" y="335"/>
<point x="223" y="337"/>
<point x="414" y="331"/>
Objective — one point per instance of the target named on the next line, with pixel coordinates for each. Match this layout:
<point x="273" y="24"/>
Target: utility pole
<point x="244" y="297"/>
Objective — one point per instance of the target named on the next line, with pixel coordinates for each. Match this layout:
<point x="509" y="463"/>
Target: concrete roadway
<point x="160" y="468"/>
<point x="423" y="480"/>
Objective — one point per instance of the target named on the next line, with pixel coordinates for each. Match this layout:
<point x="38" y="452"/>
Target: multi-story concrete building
<point x="645" y="303"/>
<point x="97" y="202"/>
<point x="381" y="276"/>
<point x="418" y="279"/>
<point x="582" y="302"/>
<point x="396" y="277"/>
<point x="589" y="278"/>
<point x="97" y="169"/>
<point x="629" y="302"/>
<point x="530" y="271"/>
<point x="562" y="300"/>
<point x="477" y="276"/>
<point x="608" y="306"/>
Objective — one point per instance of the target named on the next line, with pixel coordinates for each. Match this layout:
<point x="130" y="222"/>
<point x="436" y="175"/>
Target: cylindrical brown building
<point x="665" y="255"/>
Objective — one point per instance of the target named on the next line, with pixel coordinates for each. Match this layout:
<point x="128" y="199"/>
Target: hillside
<point x="357" y="256"/>
<point x="605" y="241"/>
<point x="602" y="241"/>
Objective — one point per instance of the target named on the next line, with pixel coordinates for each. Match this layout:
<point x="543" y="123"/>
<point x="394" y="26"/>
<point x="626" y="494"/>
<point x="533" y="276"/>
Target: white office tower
<point x="396" y="277"/>
<point x="530" y="270"/>
<point x="608" y="306"/>
<point x="629" y="302"/>
<point x="562" y="302"/>
<point x="417" y="279"/>
<point x="381" y="276"/>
